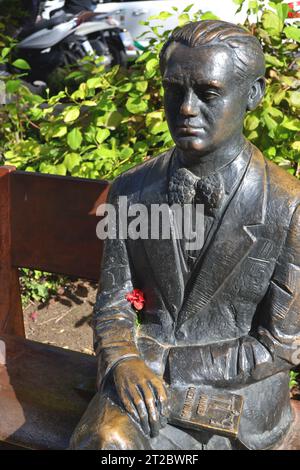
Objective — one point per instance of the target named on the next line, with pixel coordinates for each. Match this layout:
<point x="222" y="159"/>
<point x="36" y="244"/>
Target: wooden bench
<point x="48" y="223"/>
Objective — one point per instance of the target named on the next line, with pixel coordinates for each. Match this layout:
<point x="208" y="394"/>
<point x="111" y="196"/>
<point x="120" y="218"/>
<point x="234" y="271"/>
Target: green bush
<point x="113" y="120"/>
<point x="38" y="286"/>
<point x="274" y="127"/>
<point x="293" y="379"/>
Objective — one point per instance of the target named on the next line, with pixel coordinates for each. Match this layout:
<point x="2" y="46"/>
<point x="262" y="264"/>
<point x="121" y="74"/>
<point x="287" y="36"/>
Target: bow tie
<point x="186" y="188"/>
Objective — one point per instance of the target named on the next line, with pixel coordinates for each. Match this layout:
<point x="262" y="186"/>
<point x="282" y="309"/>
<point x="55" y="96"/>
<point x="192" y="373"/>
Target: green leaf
<point x="78" y="95"/>
<point x="60" y="169"/>
<point x="296" y="145"/>
<point x="282" y="10"/>
<point x="71" y="161"/>
<point x="155" y="122"/>
<point x="240" y="3"/>
<point x="271" y="152"/>
<point x="152" y="65"/>
<point x="21" y="64"/>
<point x="272" y="23"/>
<point x="126" y="152"/>
<point x="125" y="88"/>
<point x="209" y="15"/>
<point x="89" y="103"/>
<point x="251" y="122"/>
<point x="141" y="147"/>
<point x="292" y="32"/>
<point x="114" y="119"/>
<point x="96" y="82"/>
<point x="188" y="8"/>
<point x="71" y="113"/>
<point x="136" y="105"/>
<point x="164" y="15"/>
<point x="252" y="135"/>
<point x="276" y="113"/>
<point x="291" y="124"/>
<point x="289" y="81"/>
<point x="183" y="19"/>
<point x="74" y="138"/>
<point x="5" y="51"/>
<point x="273" y="60"/>
<point x="279" y="96"/>
<point x="108" y="155"/>
<point x="294" y="98"/>
<point x="253" y="5"/>
<point x="144" y="57"/>
<point x="12" y="86"/>
<point x="270" y="122"/>
<point x="102" y="135"/>
<point x="142" y="86"/>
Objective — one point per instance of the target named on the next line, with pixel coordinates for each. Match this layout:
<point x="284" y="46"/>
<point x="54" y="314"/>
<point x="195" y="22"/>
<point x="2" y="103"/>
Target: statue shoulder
<point x="281" y="188"/>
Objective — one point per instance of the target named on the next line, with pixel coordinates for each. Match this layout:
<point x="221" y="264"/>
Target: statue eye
<point x="210" y="95"/>
<point x="207" y="95"/>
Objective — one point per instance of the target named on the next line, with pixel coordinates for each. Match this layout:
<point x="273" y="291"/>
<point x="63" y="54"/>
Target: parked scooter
<point x="50" y="8"/>
<point x="64" y="39"/>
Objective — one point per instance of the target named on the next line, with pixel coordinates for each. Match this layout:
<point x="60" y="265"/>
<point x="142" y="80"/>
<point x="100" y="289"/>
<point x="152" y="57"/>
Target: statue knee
<point x="114" y="438"/>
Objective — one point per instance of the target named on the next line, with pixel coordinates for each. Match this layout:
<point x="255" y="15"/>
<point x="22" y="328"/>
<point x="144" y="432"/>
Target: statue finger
<point x="139" y="404"/>
<point x="129" y="406"/>
<point x="153" y="412"/>
<point x="158" y="405"/>
<point x="162" y="399"/>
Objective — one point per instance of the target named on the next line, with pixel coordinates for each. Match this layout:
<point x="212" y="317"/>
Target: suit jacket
<point x="234" y="326"/>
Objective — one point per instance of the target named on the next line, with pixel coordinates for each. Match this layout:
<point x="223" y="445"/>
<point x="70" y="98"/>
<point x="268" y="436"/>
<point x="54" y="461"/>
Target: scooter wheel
<point x="118" y="56"/>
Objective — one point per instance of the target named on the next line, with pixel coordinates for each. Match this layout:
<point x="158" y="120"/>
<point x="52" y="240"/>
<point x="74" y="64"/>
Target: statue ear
<point x="256" y="93"/>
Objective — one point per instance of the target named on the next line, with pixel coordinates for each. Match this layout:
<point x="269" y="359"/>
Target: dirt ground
<point x="65" y="320"/>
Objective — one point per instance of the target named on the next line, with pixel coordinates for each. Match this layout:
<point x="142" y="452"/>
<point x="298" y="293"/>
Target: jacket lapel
<point x="239" y="228"/>
<point x="162" y="254"/>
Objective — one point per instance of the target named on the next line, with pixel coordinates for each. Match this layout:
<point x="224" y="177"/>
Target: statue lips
<point x="189" y="131"/>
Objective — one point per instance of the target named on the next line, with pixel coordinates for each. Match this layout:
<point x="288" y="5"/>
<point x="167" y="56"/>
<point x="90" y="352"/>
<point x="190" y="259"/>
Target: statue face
<point x="205" y="101"/>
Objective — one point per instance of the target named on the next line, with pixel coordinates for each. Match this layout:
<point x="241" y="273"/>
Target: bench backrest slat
<point x="53" y="223"/>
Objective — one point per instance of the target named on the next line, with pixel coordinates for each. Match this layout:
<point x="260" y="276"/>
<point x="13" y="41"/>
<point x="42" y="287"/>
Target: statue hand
<point x="143" y="394"/>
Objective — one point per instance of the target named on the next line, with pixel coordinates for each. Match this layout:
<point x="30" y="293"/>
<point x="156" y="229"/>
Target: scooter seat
<point x="45" y="24"/>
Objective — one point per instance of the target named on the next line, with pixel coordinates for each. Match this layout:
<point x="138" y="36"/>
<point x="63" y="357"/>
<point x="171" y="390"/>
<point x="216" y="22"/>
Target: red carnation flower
<point x="136" y="298"/>
<point x="294" y="10"/>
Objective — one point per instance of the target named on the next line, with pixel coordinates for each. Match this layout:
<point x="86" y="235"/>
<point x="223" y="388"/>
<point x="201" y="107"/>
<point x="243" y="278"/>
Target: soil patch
<point x="65" y="320"/>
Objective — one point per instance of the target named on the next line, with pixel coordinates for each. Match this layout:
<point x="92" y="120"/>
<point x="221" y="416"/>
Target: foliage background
<point x="101" y="123"/>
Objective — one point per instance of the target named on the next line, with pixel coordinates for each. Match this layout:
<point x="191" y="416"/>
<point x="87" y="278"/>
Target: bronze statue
<point x="208" y="366"/>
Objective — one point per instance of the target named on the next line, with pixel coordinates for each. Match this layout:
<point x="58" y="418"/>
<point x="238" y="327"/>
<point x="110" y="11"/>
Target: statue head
<point x="213" y="73"/>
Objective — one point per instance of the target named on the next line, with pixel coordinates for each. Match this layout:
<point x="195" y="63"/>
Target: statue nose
<point x="189" y="107"/>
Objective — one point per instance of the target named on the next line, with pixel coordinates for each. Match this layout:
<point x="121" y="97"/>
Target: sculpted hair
<point x="247" y="52"/>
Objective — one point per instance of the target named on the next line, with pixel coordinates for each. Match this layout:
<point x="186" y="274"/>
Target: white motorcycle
<point x="51" y="8"/>
<point x="64" y="39"/>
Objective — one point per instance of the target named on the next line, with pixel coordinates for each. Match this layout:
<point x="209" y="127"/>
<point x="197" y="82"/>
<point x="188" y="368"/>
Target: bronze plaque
<point x="218" y="412"/>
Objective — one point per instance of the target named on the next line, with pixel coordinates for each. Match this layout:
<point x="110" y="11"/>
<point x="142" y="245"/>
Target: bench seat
<point x="44" y="390"/>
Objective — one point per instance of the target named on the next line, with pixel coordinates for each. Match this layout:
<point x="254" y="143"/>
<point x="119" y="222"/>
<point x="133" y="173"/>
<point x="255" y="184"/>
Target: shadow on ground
<point x="65" y="320"/>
